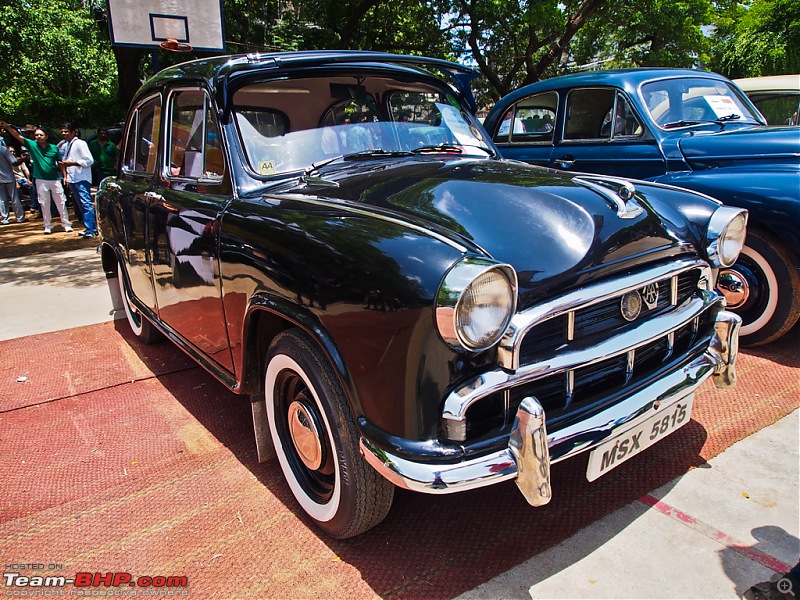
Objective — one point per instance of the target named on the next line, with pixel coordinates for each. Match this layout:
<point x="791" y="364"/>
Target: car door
<point x="184" y="217"/>
<point x="526" y="131"/>
<point x="602" y="134"/>
<point x="132" y="190"/>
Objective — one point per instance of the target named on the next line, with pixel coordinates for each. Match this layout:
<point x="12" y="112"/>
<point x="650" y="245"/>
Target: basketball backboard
<point x="148" y="23"/>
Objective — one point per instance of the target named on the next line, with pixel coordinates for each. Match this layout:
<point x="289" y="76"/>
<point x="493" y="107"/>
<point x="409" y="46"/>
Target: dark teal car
<point x="686" y="128"/>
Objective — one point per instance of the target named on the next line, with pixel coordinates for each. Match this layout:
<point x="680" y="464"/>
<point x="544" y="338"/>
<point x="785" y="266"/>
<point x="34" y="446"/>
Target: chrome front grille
<point x="578" y="352"/>
<point x="602" y="318"/>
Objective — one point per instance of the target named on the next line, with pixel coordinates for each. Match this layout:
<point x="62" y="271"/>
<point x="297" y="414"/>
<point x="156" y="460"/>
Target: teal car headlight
<point x="475" y="303"/>
<point x="725" y="237"/>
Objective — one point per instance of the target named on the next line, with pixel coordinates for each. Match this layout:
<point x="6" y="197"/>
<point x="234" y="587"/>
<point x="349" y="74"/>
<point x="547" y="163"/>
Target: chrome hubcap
<point x="734" y="286"/>
<point x="305" y="435"/>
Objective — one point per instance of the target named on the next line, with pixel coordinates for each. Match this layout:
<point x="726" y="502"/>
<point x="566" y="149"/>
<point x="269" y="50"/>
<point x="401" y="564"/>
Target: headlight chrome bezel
<point x="720" y="227"/>
<point x="450" y="296"/>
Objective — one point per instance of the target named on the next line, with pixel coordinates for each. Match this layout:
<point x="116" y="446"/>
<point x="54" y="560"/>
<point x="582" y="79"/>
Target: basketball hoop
<point x="174" y="45"/>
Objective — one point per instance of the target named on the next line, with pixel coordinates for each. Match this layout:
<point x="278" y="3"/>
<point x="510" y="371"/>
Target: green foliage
<point x="58" y="64"/>
<point x="762" y="38"/>
<point x="646" y="33"/>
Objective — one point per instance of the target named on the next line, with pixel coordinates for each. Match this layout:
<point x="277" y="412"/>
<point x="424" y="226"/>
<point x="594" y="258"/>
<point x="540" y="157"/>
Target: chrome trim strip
<point x="438" y="478"/>
<point x="459" y="400"/>
<point x="522" y="322"/>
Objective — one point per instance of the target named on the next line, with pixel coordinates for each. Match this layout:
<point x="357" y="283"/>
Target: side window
<point x="623" y="122"/>
<point x="586" y="113"/>
<point x="194" y="148"/>
<point x="141" y="145"/>
<point x="534" y="119"/>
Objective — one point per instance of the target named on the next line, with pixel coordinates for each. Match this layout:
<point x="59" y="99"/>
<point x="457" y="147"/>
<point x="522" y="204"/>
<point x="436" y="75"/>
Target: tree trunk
<point x="128" y="61"/>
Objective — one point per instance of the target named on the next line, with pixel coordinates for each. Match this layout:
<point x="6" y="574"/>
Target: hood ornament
<point x="621" y="193"/>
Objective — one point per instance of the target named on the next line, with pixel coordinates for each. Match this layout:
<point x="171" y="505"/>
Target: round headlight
<point x="727" y="230"/>
<point x="475" y="304"/>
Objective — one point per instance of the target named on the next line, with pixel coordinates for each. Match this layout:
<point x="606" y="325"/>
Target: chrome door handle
<point x="565" y="162"/>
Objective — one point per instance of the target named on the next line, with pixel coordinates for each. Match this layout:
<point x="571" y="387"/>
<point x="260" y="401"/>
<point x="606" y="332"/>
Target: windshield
<point x="295" y="124"/>
<point x="682" y="102"/>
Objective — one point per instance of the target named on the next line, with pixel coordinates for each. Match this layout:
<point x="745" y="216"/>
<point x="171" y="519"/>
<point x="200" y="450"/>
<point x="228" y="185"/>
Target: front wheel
<point x="143" y="329"/>
<point x="763" y="288"/>
<point x="316" y="440"/>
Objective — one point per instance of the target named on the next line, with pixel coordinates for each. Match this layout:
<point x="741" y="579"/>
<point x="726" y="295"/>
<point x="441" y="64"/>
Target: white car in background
<point x="777" y="97"/>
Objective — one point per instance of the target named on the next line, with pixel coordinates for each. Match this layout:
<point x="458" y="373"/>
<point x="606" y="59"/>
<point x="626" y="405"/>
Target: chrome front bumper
<point x="531" y="450"/>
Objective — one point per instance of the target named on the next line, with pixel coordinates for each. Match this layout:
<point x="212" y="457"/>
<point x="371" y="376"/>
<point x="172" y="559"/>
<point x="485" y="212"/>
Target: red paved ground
<point x="120" y="457"/>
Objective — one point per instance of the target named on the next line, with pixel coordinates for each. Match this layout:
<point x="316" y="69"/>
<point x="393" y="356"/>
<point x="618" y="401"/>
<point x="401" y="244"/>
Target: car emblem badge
<point x="631" y="305"/>
<point x="650" y="296"/>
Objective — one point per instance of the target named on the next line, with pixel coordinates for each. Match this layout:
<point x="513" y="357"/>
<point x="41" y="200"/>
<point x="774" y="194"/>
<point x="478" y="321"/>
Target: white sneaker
<point x="47" y="231"/>
<point x="68" y="229"/>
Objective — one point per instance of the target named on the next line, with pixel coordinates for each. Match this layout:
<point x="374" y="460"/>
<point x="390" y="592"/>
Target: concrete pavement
<point x="709" y="534"/>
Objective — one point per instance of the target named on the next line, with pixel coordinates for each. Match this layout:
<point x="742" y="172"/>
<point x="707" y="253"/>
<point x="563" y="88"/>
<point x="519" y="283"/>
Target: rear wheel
<point x="763" y="288"/>
<point x="316" y="440"/>
<point x="141" y="327"/>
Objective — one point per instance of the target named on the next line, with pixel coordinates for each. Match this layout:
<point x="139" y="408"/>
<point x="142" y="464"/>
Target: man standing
<point x="46" y="169"/>
<point x="9" y="196"/>
<point x="105" y="154"/>
<point x="78" y="162"/>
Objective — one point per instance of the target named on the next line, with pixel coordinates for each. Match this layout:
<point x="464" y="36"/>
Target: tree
<point x="646" y="33"/>
<point x="760" y="38"/>
<point x="516" y="42"/>
<point x="57" y="67"/>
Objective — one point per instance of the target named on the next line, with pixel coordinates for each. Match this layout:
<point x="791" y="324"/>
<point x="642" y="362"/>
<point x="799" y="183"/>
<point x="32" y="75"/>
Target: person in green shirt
<point x="48" y="172"/>
<point x="105" y="153"/>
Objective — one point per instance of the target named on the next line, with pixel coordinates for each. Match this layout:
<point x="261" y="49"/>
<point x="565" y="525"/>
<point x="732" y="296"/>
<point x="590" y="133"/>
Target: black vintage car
<point x="334" y="235"/>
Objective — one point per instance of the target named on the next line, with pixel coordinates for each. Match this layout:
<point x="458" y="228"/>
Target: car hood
<point x="706" y="150"/>
<point x="552" y="229"/>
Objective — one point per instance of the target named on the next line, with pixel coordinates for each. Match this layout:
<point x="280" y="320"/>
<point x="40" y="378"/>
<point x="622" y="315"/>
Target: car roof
<point x="219" y="71"/>
<point x="771" y="83"/>
<point x="628" y="79"/>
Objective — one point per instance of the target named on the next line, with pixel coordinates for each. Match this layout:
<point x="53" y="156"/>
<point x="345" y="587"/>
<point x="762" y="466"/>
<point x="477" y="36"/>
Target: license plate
<point x="617" y="450"/>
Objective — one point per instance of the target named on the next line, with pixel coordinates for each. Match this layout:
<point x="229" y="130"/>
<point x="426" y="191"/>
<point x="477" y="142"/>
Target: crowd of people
<point x="48" y="176"/>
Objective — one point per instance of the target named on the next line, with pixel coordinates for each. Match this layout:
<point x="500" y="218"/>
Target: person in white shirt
<point x="78" y="161"/>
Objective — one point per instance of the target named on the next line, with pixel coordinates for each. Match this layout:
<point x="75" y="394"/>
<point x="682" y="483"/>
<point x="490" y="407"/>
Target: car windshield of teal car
<point x="298" y="124"/>
<point x="687" y="102"/>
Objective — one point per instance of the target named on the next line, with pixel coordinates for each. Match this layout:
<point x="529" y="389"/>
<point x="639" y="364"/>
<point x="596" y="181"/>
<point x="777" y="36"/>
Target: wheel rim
<point x="761" y="301"/>
<point x="303" y="435"/>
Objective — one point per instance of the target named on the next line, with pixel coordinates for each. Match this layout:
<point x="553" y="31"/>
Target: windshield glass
<point x="293" y="124"/>
<point x="682" y="102"/>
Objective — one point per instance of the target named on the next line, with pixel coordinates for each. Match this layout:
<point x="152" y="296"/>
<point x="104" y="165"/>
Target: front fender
<point x="771" y="195"/>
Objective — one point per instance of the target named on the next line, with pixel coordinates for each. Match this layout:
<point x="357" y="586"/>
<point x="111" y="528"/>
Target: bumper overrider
<point x="531" y="449"/>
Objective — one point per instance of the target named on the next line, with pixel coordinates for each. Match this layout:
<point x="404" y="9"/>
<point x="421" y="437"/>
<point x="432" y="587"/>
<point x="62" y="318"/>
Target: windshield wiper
<point x="438" y="148"/>
<point x="720" y="121"/>
<point x="377" y="153"/>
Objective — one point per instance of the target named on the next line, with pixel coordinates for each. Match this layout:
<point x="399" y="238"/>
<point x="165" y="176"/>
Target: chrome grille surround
<point x="575" y="353"/>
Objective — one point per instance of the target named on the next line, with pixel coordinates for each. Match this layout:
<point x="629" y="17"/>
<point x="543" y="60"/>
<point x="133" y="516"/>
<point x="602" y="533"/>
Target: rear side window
<point x="533" y="120"/>
<point x="141" y="140"/>
<point x="195" y="150"/>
